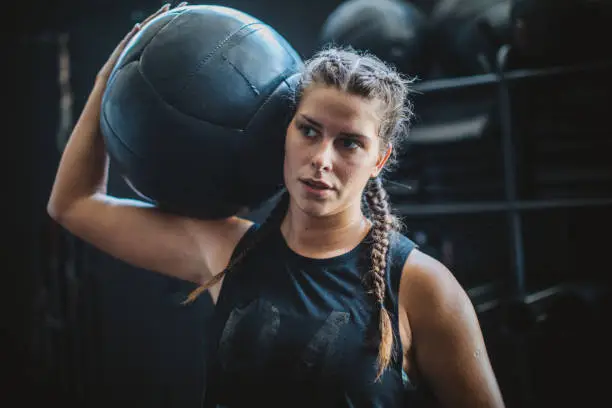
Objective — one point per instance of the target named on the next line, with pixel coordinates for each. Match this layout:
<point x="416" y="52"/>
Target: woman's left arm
<point x="446" y="336"/>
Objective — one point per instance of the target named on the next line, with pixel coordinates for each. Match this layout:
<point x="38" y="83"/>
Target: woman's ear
<point x="382" y="160"/>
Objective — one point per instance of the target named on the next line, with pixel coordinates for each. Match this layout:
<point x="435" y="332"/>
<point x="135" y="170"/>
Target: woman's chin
<point x="314" y="208"/>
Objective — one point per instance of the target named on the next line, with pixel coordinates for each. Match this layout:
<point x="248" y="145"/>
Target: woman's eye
<point x="350" y="143"/>
<point x="308" y="131"/>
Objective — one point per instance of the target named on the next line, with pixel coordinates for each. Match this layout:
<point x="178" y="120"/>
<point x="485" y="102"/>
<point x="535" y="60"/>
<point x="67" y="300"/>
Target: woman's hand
<point x="108" y="67"/>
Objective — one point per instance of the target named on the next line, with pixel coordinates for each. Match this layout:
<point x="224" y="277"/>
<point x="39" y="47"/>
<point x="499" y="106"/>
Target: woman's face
<point x="332" y="149"/>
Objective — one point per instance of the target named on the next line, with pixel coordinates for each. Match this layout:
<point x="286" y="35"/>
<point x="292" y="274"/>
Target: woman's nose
<point x="322" y="158"/>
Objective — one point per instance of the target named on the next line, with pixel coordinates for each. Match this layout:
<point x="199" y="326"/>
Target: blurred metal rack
<point x="501" y="206"/>
<point x="500" y="84"/>
<point x="448" y="84"/>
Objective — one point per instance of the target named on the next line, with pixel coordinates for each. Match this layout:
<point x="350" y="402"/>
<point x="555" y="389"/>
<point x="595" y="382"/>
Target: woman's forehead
<point x="334" y="108"/>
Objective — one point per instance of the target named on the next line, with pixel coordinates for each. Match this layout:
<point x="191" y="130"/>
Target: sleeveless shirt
<point x="292" y="331"/>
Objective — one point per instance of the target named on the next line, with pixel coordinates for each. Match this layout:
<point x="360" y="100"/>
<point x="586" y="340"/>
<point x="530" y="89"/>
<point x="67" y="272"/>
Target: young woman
<point x="326" y="303"/>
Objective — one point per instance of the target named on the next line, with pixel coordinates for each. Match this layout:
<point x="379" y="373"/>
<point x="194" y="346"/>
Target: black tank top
<point x="291" y="331"/>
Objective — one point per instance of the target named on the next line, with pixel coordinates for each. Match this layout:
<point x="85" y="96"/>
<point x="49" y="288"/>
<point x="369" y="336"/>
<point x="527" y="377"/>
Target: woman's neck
<point x="323" y="237"/>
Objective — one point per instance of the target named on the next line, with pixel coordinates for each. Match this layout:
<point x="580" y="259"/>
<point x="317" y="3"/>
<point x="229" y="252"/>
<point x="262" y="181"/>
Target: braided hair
<point x="362" y="74"/>
<point x="382" y="224"/>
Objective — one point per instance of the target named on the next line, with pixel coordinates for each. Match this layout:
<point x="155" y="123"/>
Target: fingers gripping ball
<point x="195" y="111"/>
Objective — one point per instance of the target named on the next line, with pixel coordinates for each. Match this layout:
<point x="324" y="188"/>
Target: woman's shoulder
<point x="427" y="285"/>
<point x="224" y="235"/>
<point x="244" y="230"/>
<point x="400" y="248"/>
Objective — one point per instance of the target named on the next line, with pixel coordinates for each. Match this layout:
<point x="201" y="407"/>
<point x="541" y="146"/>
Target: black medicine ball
<point x="467" y="35"/>
<point x="393" y="30"/>
<point x="196" y="110"/>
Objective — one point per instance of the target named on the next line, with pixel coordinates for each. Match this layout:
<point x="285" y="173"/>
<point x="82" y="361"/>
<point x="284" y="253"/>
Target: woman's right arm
<point x="132" y="231"/>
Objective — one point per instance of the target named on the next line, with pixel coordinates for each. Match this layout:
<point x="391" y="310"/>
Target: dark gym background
<point x="510" y="185"/>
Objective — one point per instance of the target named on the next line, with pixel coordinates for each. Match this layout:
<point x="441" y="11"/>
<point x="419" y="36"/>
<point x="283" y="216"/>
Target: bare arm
<point x="83" y="167"/>
<point x="130" y="230"/>
<point x="448" y="342"/>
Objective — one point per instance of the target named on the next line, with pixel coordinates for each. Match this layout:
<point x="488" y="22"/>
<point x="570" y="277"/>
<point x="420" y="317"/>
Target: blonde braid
<point x="376" y="198"/>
